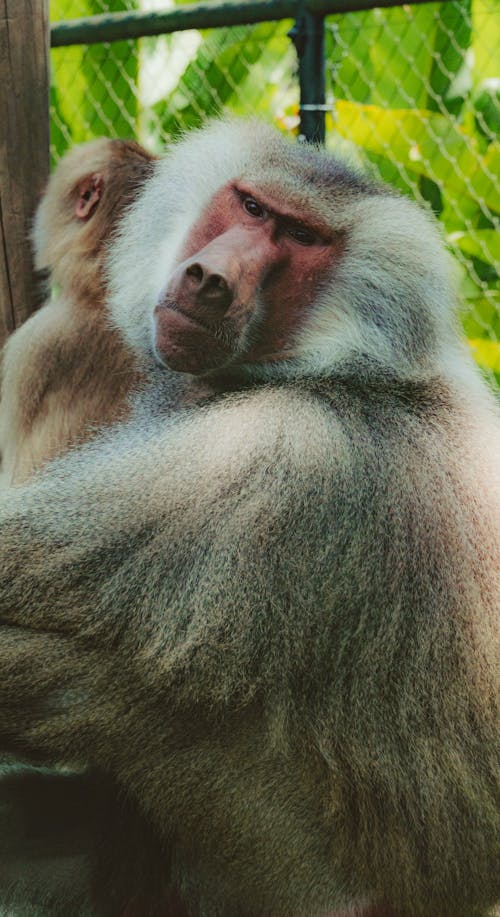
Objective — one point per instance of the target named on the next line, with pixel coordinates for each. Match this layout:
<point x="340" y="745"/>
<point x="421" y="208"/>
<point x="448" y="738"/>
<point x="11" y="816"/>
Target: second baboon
<point x="66" y="372"/>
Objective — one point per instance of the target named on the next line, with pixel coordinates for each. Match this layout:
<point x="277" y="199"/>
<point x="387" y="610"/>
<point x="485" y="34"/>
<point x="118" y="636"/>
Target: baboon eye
<point x="302" y="235"/>
<point x="252" y="207"/>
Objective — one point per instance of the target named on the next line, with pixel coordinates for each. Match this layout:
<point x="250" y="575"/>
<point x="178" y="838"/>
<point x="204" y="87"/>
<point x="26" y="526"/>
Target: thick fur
<point x="271" y="617"/>
<point x="66" y="371"/>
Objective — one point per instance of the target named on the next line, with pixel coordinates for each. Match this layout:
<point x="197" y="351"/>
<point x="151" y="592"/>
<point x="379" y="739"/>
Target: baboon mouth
<point x="185" y="318"/>
<point x="185" y="344"/>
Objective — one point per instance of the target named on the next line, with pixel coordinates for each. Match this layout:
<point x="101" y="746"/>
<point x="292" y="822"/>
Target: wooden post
<point x="24" y="149"/>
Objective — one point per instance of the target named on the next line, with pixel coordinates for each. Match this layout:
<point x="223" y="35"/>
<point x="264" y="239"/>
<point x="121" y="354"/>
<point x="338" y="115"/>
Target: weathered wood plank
<point x="24" y="149"/>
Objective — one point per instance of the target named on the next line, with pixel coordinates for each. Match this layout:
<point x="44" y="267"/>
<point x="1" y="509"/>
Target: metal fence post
<point x="308" y="36"/>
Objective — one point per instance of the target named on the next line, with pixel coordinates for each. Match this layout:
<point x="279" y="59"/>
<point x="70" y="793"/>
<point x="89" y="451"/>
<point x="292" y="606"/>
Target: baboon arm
<point x="150" y="562"/>
<point x="148" y="629"/>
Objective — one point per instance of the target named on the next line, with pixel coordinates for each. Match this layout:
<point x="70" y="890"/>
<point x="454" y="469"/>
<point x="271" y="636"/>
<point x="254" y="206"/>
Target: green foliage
<point x="94" y="89"/>
<point x="417" y="96"/>
<point x="230" y="69"/>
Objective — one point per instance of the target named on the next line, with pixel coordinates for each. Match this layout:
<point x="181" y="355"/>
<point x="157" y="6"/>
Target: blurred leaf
<point x="482" y="243"/>
<point x="382" y="57"/>
<point x="486" y="353"/>
<point x="487" y="111"/>
<point x="402" y="56"/>
<point x="427" y="144"/>
<point x="349" y="67"/>
<point x="223" y="70"/>
<point x="96" y="85"/>
<point x="485" y="180"/>
<point x="482" y="320"/>
<point x="452" y="38"/>
<point x="60" y="130"/>
<point x="485" y="39"/>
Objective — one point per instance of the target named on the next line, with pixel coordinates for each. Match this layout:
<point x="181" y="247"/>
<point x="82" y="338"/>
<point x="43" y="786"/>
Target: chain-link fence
<point x="411" y="92"/>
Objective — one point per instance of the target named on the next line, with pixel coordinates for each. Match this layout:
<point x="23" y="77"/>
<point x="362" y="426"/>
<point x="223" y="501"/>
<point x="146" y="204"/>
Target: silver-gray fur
<point x="271" y="617"/>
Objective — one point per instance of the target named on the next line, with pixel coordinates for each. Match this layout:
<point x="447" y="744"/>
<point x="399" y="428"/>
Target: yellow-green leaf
<point x="486" y="353"/>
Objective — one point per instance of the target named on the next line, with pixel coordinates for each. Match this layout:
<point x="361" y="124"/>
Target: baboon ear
<point x="89" y="194"/>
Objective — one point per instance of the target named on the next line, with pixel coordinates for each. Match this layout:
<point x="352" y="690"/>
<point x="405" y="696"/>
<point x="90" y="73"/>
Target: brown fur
<point x="67" y="372"/>
<point x="75" y="250"/>
<point x="271" y="618"/>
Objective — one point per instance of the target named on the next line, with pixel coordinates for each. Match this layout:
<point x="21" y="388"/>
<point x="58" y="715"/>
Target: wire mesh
<point x="155" y="87"/>
<point x="413" y="94"/>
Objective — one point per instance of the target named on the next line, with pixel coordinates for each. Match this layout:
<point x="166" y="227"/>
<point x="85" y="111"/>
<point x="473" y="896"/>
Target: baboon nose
<point x="212" y="290"/>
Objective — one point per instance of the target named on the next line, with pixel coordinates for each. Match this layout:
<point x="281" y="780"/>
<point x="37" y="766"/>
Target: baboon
<point x="66" y="371"/>
<point x="269" y="619"/>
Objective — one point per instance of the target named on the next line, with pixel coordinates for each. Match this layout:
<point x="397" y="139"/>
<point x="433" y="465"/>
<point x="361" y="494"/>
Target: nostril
<point x="216" y="286"/>
<point x="203" y="288"/>
<point x="195" y="272"/>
